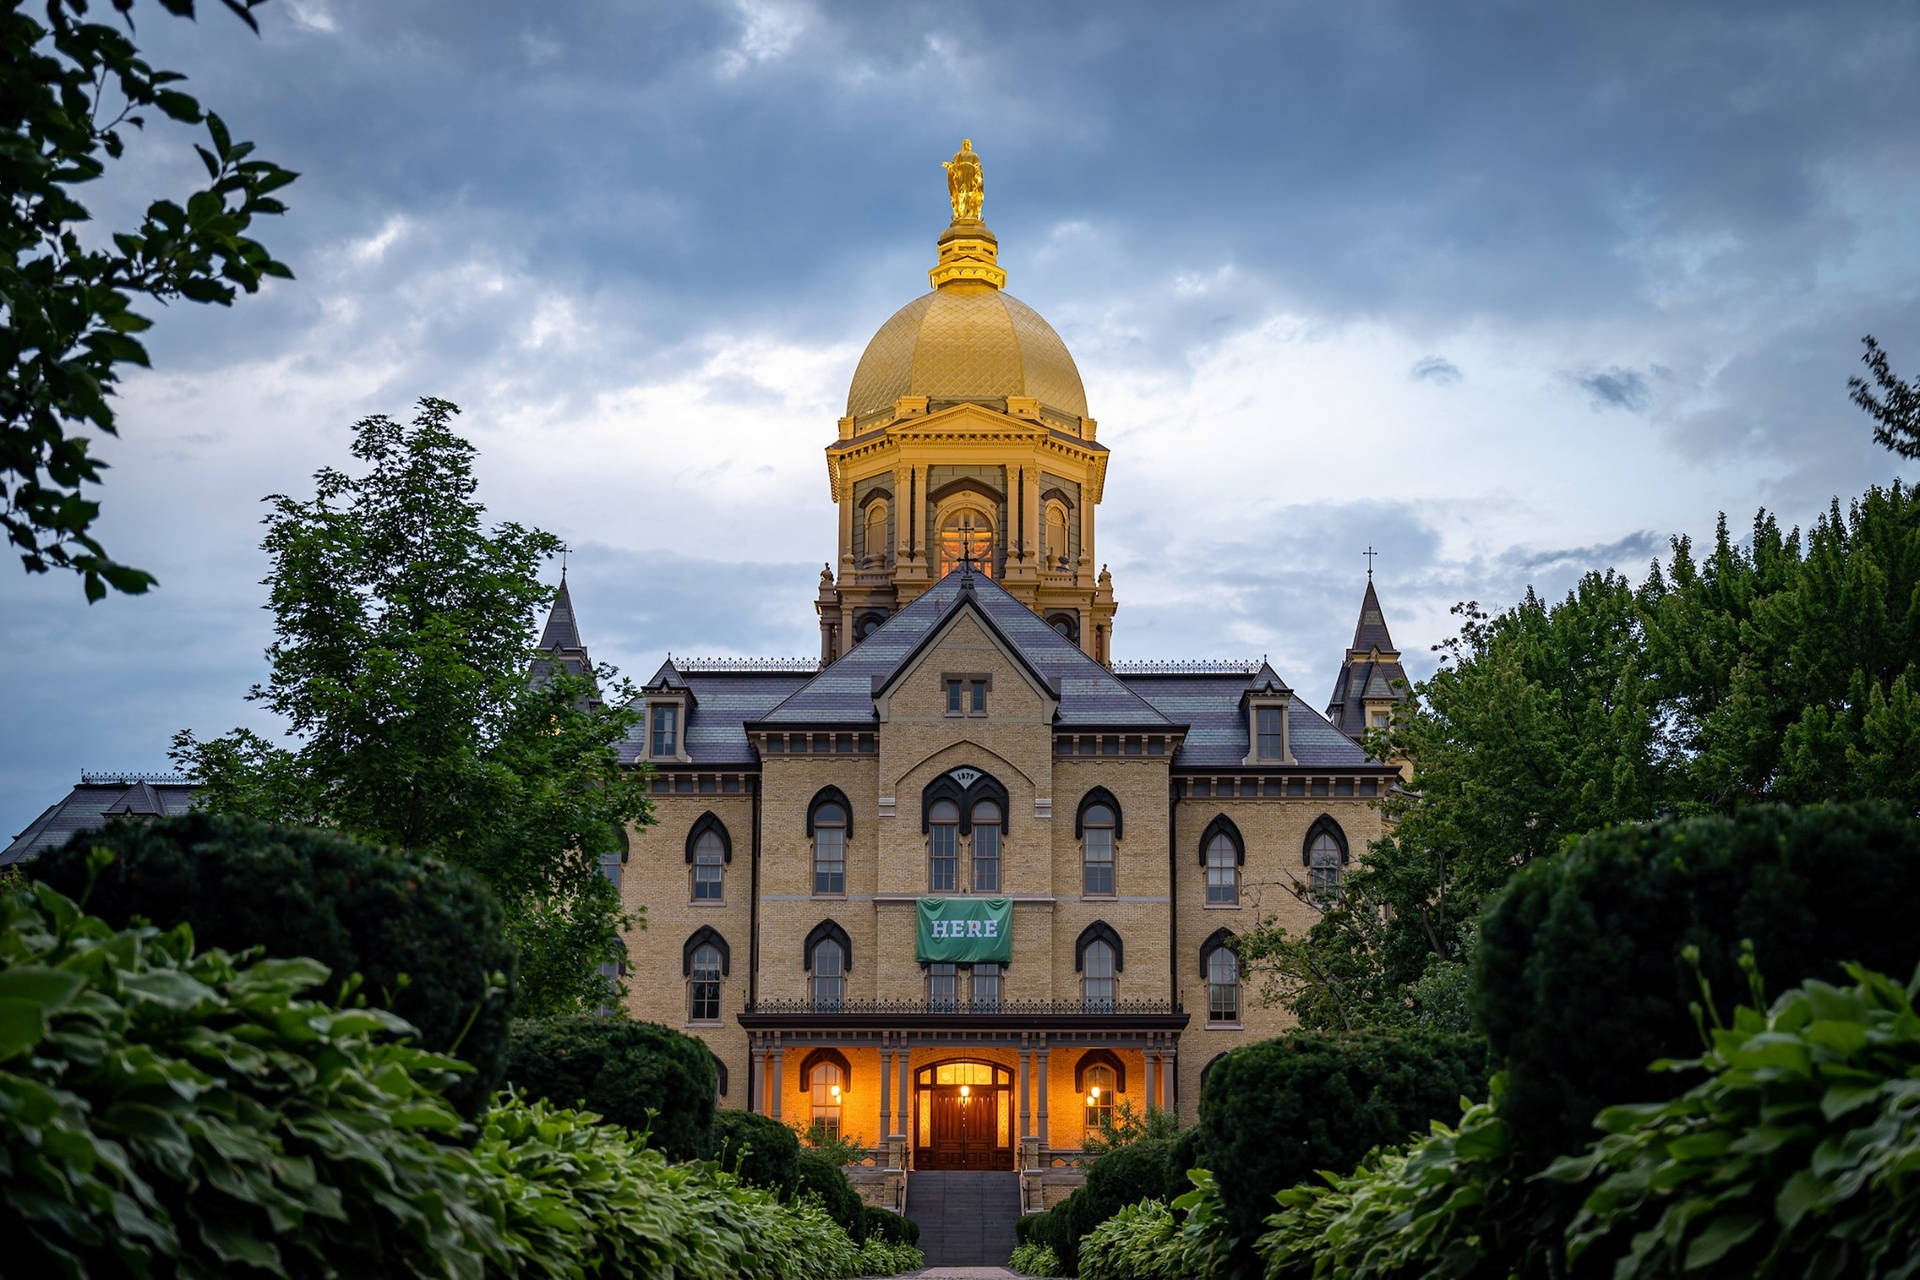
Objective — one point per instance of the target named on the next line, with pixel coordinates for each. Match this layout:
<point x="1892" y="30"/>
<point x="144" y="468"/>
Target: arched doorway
<point x="963" y="1116"/>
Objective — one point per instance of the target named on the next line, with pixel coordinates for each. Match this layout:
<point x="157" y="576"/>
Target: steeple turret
<point x="1371" y="684"/>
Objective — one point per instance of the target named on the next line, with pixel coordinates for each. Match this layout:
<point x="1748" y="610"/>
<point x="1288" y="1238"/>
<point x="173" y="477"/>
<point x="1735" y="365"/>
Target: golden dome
<point x="968" y="339"/>
<point x="966" y="342"/>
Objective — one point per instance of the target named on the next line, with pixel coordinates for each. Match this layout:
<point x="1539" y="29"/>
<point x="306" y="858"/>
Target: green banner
<point x="964" y="931"/>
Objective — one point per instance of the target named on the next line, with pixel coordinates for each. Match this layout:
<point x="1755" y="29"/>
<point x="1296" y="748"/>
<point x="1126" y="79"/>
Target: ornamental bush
<point x="426" y="937"/>
<point x="640" y="1075"/>
<point x="1024" y="1225"/>
<point x="1276" y="1113"/>
<point x="822" y="1177"/>
<point x="885" y="1224"/>
<point x="760" y="1150"/>
<point x="1034" y="1260"/>
<point x="172" y="1112"/>
<point x="1140" y="1242"/>
<point x="1581" y="979"/>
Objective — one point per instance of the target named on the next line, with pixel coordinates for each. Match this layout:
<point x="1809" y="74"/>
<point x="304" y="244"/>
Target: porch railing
<point x="969" y="1009"/>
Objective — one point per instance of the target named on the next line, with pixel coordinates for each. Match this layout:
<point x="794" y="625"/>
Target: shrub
<point x="1794" y="1157"/>
<point x="622" y="1070"/>
<point x="759" y="1149"/>
<point x="1024" y="1225"/>
<point x="427" y="938"/>
<point x="1034" y="1260"/>
<point x="1138" y="1243"/>
<point x="885" y="1224"/>
<point x="188" y="1113"/>
<point x="1276" y="1113"/>
<point x="1141" y="1170"/>
<point x="822" y="1177"/>
<point x="1580" y="973"/>
<point x="841" y="1148"/>
<point x="884" y="1258"/>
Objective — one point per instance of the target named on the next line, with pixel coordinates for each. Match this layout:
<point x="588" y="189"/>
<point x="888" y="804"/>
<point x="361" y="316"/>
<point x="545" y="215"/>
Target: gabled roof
<point x="137" y="801"/>
<point x="1088" y="693"/>
<point x="1265" y="681"/>
<point x="1370" y="632"/>
<point x="667" y="677"/>
<point x="1213" y="707"/>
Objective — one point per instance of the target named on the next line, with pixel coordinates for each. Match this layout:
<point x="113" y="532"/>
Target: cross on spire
<point x="1370" y="553"/>
<point x="563" y="561"/>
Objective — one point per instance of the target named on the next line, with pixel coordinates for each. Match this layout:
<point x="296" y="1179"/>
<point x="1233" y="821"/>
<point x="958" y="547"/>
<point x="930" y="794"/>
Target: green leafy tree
<point x="69" y="91"/>
<point x="401" y="663"/>
<point x="1896" y="407"/>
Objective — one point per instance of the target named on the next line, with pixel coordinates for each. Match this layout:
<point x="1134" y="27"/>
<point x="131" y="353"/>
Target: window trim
<point x="947" y="787"/>
<point x="1222" y="825"/>
<point x="1099" y="931"/>
<point x="654" y="707"/>
<point x="1097" y="795"/>
<point x="705" y="935"/>
<point x="962" y="688"/>
<point x="828" y="930"/>
<point x="1323" y="825"/>
<point x="1099" y="1058"/>
<point x="822" y="796"/>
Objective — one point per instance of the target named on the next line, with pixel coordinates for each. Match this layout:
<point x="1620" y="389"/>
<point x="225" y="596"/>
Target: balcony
<point x="985" y="1015"/>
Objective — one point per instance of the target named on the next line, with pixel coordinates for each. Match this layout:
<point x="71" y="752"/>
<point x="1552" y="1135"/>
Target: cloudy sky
<point x="1506" y="290"/>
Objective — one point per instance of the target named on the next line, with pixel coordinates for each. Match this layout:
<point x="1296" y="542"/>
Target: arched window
<point x="967" y="534"/>
<point x="943" y="847"/>
<point x="829" y="1085"/>
<point x="874" y="542"/>
<point x="1325" y="853"/>
<point x="703" y="984"/>
<point x="1056" y="544"/>
<point x="830" y="824"/>
<point x="1097" y="824"/>
<point x="709" y="870"/>
<point x="829" y="955"/>
<point x="1066" y="624"/>
<point x="1099" y="1096"/>
<point x="867" y="625"/>
<point x="1098" y="957"/>
<point x="1223" y="873"/>
<point x="1223" y="986"/>
<point x="986" y="847"/>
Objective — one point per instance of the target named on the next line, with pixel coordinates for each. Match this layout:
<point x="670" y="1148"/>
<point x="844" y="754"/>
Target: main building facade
<point x="966" y="883"/>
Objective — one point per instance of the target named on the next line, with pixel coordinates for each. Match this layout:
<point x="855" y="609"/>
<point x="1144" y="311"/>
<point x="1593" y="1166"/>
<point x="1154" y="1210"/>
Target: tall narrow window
<point x="828" y="1087"/>
<point x="1268" y="723"/>
<point x="986" y="847"/>
<point x="1099" y="1097"/>
<point x="829" y="849"/>
<point x="876" y="535"/>
<point x="979" y="705"/>
<point x="943" y="847"/>
<point x="1056" y="548"/>
<point x="703" y="985"/>
<point x="1097" y="965"/>
<point x="1097" y="846"/>
<point x="1223" y="986"/>
<point x="709" y="868"/>
<point x="829" y="975"/>
<point x="954" y="688"/>
<point x="1223" y="872"/>
<point x="943" y="985"/>
<point x="666" y="730"/>
<point x="1323" y="855"/>
<point x="986" y="987"/>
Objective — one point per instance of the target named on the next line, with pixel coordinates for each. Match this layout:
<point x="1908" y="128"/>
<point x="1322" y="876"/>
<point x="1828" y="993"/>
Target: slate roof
<point x="1361" y="678"/>
<point x="722" y="705"/>
<point x="1370" y="632"/>
<point x="88" y="806"/>
<point x="1210" y="705"/>
<point x="1088" y="693"/>
<point x="563" y="630"/>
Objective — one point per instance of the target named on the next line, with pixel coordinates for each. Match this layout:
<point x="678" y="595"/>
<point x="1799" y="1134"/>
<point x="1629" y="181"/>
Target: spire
<point x="1370" y="632"/>
<point x="969" y="252"/>
<point x="562" y="631"/>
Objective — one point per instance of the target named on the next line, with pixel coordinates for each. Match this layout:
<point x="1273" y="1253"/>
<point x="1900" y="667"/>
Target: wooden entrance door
<point x="964" y="1130"/>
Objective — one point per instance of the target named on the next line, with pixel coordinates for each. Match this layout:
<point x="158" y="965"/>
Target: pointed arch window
<point x="943" y="847"/>
<point x="1098" y="956"/>
<point x="1097" y="823"/>
<point x="986" y="847"/>
<point x="829" y="955"/>
<point x="1222" y="853"/>
<point x="704" y="962"/>
<point x="709" y="849"/>
<point x="1221" y="969"/>
<point x="829" y="823"/>
<point x="1325" y="855"/>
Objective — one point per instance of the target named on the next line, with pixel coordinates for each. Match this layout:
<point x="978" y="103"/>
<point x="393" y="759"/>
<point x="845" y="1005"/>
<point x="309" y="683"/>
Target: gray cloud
<point x="1616" y="388"/>
<point x="1435" y="369"/>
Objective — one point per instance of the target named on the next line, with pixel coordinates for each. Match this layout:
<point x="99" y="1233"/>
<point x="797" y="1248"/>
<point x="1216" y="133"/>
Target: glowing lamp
<point x="836" y="1093"/>
<point x="1094" y="1093"/>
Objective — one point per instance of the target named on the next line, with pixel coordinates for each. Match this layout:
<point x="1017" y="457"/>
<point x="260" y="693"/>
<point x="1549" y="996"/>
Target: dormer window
<point x="666" y="729"/>
<point x="1267" y="727"/>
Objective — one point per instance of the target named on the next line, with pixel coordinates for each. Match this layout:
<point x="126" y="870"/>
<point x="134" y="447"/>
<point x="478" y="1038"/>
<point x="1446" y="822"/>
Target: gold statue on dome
<point x="965" y="186"/>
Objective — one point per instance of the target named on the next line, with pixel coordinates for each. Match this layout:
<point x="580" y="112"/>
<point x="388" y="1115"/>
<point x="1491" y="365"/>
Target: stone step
<point x="966" y="1219"/>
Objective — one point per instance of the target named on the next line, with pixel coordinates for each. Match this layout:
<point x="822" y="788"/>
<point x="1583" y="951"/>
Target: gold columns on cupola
<point x="966" y="436"/>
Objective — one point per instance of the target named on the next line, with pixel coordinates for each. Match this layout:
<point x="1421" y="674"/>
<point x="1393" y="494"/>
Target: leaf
<point x="1721" y="1236"/>
<point x="50" y="988"/>
<point x="23" y="1024"/>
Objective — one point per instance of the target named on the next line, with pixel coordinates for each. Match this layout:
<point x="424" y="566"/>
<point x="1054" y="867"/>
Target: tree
<point x="401" y="662"/>
<point x="69" y="90"/>
<point x="1896" y="410"/>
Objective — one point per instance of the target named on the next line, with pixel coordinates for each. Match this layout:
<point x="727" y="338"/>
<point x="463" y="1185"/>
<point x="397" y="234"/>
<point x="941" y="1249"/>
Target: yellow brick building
<point x="966" y="882"/>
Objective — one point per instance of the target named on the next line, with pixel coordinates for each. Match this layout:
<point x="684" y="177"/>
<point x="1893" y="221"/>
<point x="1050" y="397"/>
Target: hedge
<point x="823" y="1177"/>
<point x="1276" y="1113"/>
<point x="623" y="1070"/>
<point x="1580" y="976"/>
<point x="425" y="936"/>
<point x="759" y="1149"/>
<point x="885" y="1224"/>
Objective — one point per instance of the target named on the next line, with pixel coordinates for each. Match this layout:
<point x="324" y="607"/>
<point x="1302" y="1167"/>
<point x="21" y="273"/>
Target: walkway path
<point x="964" y="1273"/>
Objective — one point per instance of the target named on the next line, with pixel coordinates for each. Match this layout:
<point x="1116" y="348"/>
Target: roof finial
<point x="1370" y="553"/>
<point x="563" y="563"/>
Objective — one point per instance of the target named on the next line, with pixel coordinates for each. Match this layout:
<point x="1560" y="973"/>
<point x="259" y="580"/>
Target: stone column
<point x="886" y="1093"/>
<point x="1044" y="1054"/>
<point x="906" y="1097"/>
<point x="757" y="1087"/>
<point x="1170" y="1060"/>
<point x="1031" y="533"/>
<point x="1026" y="1111"/>
<point x="1150" y="1055"/>
<point x="779" y="1083"/>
